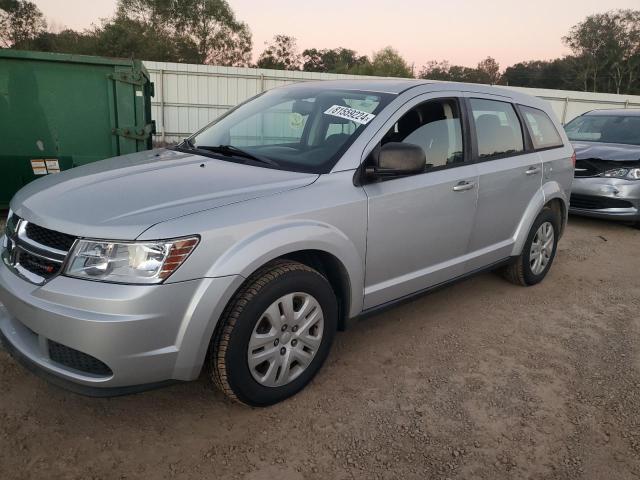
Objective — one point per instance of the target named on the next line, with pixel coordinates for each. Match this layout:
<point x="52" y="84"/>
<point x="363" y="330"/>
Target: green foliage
<point x="20" y="21"/>
<point x="190" y="31"/>
<point x="280" y="54"/>
<point x="388" y="63"/>
<point x="204" y="30"/>
<point x="338" y="60"/>
<point x="555" y="74"/>
<point x="606" y="58"/>
<point x="607" y="46"/>
<point x="487" y="71"/>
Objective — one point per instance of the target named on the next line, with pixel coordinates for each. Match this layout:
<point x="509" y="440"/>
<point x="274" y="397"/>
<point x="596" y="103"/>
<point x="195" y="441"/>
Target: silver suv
<point x="247" y="246"/>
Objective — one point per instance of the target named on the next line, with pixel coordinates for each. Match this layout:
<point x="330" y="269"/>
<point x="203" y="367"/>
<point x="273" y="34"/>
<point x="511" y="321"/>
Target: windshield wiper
<point x="232" y="151"/>
<point x="188" y="143"/>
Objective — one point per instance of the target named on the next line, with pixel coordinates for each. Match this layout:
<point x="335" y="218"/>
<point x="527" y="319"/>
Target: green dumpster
<point x="59" y="111"/>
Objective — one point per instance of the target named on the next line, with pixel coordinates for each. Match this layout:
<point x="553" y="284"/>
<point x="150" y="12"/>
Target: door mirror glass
<point x="396" y="159"/>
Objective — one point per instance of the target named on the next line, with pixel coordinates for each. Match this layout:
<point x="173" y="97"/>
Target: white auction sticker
<point x="53" y="166"/>
<point x="39" y="167"/>
<point x="352" y="114"/>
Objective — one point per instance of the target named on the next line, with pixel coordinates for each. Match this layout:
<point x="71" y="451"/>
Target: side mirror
<point x="398" y="159"/>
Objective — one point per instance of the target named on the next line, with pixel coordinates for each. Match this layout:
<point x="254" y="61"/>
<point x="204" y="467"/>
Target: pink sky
<point x="461" y="31"/>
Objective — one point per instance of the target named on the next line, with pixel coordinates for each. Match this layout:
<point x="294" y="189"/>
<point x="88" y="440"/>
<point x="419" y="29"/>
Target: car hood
<point x="606" y="151"/>
<point x="121" y="197"/>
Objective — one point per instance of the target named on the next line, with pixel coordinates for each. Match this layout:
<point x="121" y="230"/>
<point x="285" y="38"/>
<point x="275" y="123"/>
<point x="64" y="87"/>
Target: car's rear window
<point x="543" y="132"/>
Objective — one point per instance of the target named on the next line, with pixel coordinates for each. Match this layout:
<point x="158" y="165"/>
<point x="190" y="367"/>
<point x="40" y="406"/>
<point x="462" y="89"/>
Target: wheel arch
<point x="558" y="206"/>
<point x="334" y="271"/>
<point x="317" y="245"/>
<point x="550" y="195"/>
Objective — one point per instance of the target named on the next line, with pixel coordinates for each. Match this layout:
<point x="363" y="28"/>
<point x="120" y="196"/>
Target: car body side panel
<point x="419" y="230"/>
<point x="549" y="191"/>
<point x="510" y="199"/>
<point x="505" y="191"/>
<point x="558" y="173"/>
<point x="243" y="237"/>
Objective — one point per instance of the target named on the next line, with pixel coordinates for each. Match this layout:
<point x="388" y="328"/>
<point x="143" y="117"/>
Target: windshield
<point x="299" y="128"/>
<point x="605" y="129"/>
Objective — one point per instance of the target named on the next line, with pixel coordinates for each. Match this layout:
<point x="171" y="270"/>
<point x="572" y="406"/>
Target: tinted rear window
<point x="497" y="128"/>
<point x="543" y="132"/>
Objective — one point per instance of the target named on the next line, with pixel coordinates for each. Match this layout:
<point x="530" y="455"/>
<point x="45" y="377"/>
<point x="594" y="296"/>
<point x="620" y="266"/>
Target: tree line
<point x="605" y="48"/>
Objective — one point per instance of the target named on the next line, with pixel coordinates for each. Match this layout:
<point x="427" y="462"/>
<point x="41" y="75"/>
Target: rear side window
<point x="497" y="128"/>
<point x="543" y="132"/>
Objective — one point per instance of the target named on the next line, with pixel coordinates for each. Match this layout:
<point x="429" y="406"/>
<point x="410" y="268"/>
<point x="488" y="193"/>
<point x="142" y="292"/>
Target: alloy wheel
<point x="541" y="248"/>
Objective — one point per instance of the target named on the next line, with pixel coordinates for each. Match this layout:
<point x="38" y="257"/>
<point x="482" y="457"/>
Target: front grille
<point x="40" y="266"/>
<point x="590" y="202"/>
<point x="77" y="360"/>
<point x="12" y="225"/>
<point x="36" y="253"/>
<point x="49" y="238"/>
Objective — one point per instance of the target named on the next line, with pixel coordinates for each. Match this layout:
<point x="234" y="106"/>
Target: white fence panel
<point x="188" y="96"/>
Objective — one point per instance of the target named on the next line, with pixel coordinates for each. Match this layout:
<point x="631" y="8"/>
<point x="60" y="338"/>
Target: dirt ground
<point x="479" y="380"/>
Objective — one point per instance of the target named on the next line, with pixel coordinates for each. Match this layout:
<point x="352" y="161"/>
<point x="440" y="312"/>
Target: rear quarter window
<point x="542" y="130"/>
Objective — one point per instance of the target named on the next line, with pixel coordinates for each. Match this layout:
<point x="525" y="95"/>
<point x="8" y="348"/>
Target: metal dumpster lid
<point x="70" y="58"/>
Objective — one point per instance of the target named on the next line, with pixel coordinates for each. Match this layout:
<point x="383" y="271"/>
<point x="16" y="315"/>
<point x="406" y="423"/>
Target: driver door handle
<point x="532" y="170"/>
<point x="462" y="186"/>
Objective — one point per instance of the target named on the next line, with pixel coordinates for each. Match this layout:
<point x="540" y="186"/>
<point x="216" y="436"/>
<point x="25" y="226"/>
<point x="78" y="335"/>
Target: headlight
<point x="628" y="173"/>
<point x="128" y="262"/>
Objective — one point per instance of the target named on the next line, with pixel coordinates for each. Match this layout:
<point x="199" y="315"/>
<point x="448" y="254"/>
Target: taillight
<point x="573" y="159"/>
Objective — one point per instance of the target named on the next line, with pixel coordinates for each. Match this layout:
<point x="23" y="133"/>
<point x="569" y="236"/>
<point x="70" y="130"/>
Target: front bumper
<point x="607" y="189"/>
<point x="144" y="334"/>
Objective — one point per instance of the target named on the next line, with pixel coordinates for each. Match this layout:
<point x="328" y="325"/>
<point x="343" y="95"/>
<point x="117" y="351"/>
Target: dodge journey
<point x="241" y="251"/>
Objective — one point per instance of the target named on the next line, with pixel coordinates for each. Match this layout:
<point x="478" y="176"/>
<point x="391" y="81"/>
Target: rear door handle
<point x="532" y="170"/>
<point x="462" y="186"/>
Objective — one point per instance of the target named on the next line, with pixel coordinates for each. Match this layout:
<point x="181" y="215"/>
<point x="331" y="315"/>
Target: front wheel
<point x="275" y="334"/>
<point x="533" y="264"/>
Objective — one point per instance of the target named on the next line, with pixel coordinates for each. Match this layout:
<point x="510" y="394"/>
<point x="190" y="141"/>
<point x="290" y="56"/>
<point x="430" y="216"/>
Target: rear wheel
<point x="538" y="252"/>
<point x="275" y="334"/>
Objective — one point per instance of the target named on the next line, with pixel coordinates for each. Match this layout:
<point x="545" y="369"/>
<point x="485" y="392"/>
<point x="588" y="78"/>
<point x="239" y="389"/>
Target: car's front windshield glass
<point x="605" y="129"/>
<point x="296" y="128"/>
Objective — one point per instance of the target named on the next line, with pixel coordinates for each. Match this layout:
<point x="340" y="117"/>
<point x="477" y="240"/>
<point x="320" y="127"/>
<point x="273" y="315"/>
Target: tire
<point x="258" y="315"/>
<point x="521" y="271"/>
